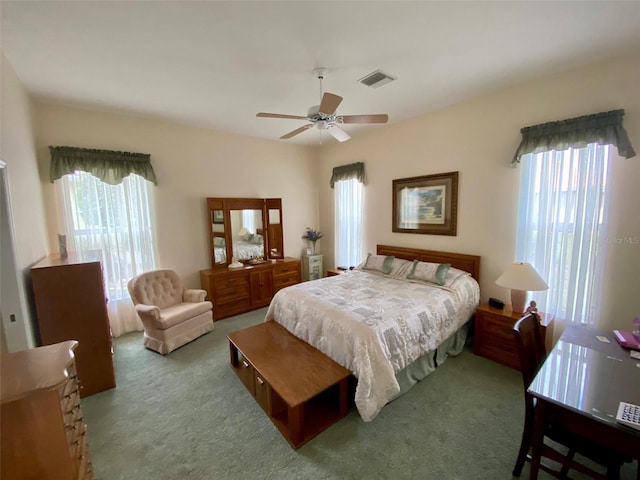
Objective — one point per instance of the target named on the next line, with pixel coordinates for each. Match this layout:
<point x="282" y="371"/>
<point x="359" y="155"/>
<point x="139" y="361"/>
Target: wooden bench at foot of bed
<point x="301" y="389"/>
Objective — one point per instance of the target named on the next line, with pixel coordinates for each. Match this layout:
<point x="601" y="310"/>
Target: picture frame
<point x="217" y="216"/>
<point x="427" y="204"/>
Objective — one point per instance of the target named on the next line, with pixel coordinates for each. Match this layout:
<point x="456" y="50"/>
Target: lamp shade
<point x="522" y="276"/>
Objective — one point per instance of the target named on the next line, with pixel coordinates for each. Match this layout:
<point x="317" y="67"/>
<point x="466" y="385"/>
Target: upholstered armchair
<point x="171" y="315"/>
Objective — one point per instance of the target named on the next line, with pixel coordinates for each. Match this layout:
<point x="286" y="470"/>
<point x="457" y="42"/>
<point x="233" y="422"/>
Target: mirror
<point x="274" y="227"/>
<point x="247" y="230"/>
<point x="247" y="235"/>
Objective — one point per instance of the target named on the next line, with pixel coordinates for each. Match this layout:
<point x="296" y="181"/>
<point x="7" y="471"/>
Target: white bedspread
<point x="374" y="325"/>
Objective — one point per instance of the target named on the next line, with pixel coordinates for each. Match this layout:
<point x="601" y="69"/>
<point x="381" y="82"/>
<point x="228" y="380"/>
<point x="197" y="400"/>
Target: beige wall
<point x="478" y="138"/>
<point x="26" y="215"/>
<point x="190" y="164"/>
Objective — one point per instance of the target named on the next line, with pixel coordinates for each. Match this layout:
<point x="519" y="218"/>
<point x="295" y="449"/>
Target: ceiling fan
<point x="324" y="115"/>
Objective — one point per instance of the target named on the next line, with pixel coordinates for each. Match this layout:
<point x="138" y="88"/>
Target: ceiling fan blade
<point x="377" y="118"/>
<point x="338" y="133"/>
<point x="296" y="131"/>
<point x="329" y="103"/>
<point x="279" y="115"/>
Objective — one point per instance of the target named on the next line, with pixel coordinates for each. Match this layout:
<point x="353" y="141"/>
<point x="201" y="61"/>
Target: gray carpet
<point x="187" y="416"/>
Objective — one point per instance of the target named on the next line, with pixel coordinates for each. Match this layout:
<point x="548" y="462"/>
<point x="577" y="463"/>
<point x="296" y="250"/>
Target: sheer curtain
<point x="249" y="220"/>
<point x="561" y="227"/>
<point x="348" y="222"/>
<point x="564" y="192"/>
<point x="116" y="223"/>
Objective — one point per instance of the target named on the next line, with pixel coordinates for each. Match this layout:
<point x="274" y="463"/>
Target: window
<point x="348" y="222"/>
<point x="561" y="225"/>
<point x="117" y="222"/>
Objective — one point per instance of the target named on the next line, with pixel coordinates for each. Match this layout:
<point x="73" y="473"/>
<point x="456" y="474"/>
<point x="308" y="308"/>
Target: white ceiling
<point x="216" y="64"/>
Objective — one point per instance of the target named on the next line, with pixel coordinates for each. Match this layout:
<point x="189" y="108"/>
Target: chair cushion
<point x="159" y="287"/>
<point x="175" y="314"/>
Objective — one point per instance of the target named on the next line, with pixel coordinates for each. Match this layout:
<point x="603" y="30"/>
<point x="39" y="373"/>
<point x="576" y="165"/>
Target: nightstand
<point x="311" y="267"/>
<point x="334" y="271"/>
<point x="494" y="338"/>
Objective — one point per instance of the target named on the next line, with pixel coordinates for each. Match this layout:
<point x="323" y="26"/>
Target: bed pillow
<point x="452" y="276"/>
<point x="429" y="272"/>
<point x="378" y="263"/>
<point x="257" y="239"/>
<point x="247" y="238"/>
<point x="400" y="268"/>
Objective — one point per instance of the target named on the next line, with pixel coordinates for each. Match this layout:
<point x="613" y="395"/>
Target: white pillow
<point x="453" y="275"/>
<point x="378" y="263"/>
<point x="400" y="268"/>
<point x="429" y="272"/>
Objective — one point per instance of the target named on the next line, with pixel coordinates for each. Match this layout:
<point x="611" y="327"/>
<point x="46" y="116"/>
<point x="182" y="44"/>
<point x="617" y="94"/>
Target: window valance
<point x="603" y="128"/>
<point x="347" y="172"/>
<point x="109" y="166"/>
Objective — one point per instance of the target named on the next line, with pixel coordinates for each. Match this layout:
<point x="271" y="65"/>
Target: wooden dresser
<point x="71" y="305"/>
<point x="44" y="436"/>
<point x="235" y="291"/>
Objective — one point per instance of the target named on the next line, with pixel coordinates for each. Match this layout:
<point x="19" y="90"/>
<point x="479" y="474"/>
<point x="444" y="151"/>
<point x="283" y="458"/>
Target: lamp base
<point x="518" y="301"/>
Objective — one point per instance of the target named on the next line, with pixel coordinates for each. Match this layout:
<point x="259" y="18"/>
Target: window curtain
<point x="114" y="222"/>
<point x="249" y="220"/>
<point x="109" y="166"/>
<point x="562" y="226"/>
<point x="562" y="212"/>
<point x="603" y="128"/>
<point x="347" y="172"/>
<point x="347" y="182"/>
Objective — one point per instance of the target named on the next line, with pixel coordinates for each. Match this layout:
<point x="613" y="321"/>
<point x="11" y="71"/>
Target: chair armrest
<point x="193" y="295"/>
<point x="148" y="311"/>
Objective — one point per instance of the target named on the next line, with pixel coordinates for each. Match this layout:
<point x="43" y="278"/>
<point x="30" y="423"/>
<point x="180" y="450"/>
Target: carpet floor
<point x="187" y="416"/>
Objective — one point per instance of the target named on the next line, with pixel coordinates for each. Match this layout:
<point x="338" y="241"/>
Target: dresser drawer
<point x="284" y="281"/>
<point x="497" y="330"/>
<point x="230" y="281"/>
<point x="287" y="269"/>
<point x="246" y="372"/>
<point x="232" y="294"/>
<point x="262" y="392"/>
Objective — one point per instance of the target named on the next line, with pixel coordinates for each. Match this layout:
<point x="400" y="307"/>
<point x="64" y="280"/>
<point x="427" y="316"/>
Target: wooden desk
<point x="580" y="385"/>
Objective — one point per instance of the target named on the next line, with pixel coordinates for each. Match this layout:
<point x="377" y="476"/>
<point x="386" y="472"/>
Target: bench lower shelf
<point x="301" y="390"/>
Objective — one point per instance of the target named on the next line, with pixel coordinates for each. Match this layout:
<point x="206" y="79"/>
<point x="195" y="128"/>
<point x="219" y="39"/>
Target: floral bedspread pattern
<point x="374" y="325"/>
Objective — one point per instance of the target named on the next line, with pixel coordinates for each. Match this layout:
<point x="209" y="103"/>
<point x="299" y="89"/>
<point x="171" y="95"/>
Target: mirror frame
<point x="273" y="233"/>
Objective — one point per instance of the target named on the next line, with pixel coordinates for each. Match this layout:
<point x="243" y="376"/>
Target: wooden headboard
<point x="468" y="263"/>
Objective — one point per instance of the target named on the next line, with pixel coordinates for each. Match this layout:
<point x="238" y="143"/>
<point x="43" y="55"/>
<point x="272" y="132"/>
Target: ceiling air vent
<point x="376" y="79"/>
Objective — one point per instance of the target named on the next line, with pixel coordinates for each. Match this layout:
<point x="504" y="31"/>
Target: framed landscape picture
<point x="426" y="204"/>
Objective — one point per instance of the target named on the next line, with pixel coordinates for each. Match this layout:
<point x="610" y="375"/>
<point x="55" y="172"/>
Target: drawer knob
<point x="245" y="364"/>
<point x="260" y="381"/>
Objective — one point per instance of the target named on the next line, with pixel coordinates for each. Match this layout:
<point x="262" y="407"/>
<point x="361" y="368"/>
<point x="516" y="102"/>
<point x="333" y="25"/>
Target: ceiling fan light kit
<point x="324" y="115"/>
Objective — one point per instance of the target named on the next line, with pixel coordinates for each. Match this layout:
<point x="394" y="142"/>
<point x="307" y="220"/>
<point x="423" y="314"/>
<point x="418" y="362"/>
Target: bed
<point x="244" y="248"/>
<point x="386" y="321"/>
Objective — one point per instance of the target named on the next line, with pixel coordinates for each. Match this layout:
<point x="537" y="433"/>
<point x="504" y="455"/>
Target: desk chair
<point x="532" y="354"/>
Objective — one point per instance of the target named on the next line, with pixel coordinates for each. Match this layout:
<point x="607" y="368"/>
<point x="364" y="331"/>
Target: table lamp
<point x="521" y="277"/>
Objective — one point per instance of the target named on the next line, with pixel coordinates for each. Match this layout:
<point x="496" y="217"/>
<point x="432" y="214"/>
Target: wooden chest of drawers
<point x="237" y="291"/>
<point x="494" y="337"/>
<point x="43" y="431"/>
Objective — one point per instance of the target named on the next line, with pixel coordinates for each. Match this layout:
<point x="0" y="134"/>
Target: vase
<point x="313" y="247"/>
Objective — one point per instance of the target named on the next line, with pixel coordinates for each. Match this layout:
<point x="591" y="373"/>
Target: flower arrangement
<point x="313" y="236"/>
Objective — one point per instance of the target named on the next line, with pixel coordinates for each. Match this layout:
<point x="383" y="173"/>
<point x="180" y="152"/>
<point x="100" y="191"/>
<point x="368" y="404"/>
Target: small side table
<point x="334" y="271"/>
<point x="311" y="267"/>
<point x="494" y="334"/>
